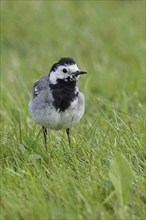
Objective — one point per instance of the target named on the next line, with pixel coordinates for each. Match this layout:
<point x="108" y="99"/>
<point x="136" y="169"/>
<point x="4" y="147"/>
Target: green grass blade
<point x="121" y="176"/>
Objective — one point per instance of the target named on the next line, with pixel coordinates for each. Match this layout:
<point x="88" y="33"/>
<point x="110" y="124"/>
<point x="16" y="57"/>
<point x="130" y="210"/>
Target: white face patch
<point x="63" y="72"/>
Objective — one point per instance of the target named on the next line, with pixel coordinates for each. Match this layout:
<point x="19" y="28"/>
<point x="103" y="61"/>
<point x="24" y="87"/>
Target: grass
<point x="86" y="180"/>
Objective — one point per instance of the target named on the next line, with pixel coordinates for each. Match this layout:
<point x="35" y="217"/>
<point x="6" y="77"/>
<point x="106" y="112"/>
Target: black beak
<point x="79" y="72"/>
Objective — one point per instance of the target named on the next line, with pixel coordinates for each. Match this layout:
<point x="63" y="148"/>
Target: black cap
<point x="62" y="62"/>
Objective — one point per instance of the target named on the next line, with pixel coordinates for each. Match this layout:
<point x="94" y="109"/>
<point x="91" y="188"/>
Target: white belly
<point x="50" y="118"/>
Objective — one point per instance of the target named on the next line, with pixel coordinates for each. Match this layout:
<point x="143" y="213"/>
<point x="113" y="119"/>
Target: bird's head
<point x="66" y="70"/>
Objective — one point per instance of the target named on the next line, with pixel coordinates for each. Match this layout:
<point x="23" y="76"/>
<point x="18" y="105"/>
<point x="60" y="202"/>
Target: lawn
<point x="101" y="175"/>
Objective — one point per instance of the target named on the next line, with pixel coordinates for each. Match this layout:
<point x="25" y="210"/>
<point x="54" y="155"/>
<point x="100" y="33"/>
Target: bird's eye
<point x="64" y="70"/>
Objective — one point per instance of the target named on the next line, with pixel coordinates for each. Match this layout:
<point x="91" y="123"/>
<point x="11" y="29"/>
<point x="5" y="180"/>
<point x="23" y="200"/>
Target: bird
<point x="56" y="102"/>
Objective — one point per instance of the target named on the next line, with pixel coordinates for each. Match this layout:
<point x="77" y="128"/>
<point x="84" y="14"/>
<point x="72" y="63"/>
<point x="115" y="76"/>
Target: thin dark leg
<point x="68" y="134"/>
<point x="45" y="137"/>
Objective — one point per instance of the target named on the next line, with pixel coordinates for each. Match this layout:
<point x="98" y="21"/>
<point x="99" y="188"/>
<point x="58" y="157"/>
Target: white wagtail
<point x="56" y="101"/>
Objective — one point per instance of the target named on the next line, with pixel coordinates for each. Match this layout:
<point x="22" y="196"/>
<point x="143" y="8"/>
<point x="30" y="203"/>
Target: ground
<point x="101" y="175"/>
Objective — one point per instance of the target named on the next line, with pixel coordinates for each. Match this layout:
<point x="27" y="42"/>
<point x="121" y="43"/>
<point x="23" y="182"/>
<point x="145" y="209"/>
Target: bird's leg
<point x="68" y="134"/>
<point x="45" y="137"/>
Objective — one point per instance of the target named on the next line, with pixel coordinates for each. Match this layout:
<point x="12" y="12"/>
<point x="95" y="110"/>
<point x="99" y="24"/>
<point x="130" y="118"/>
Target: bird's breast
<point x="64" y="94"/>
<point x="53" y="118"/>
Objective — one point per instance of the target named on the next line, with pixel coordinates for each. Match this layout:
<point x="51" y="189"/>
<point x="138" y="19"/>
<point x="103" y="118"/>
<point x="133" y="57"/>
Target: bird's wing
<point x="35" y="89"/>
<point x="39" y="86"/>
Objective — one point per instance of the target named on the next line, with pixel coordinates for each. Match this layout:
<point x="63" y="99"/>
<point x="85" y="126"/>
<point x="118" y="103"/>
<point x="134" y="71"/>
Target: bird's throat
<point x="64" y="92"/>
